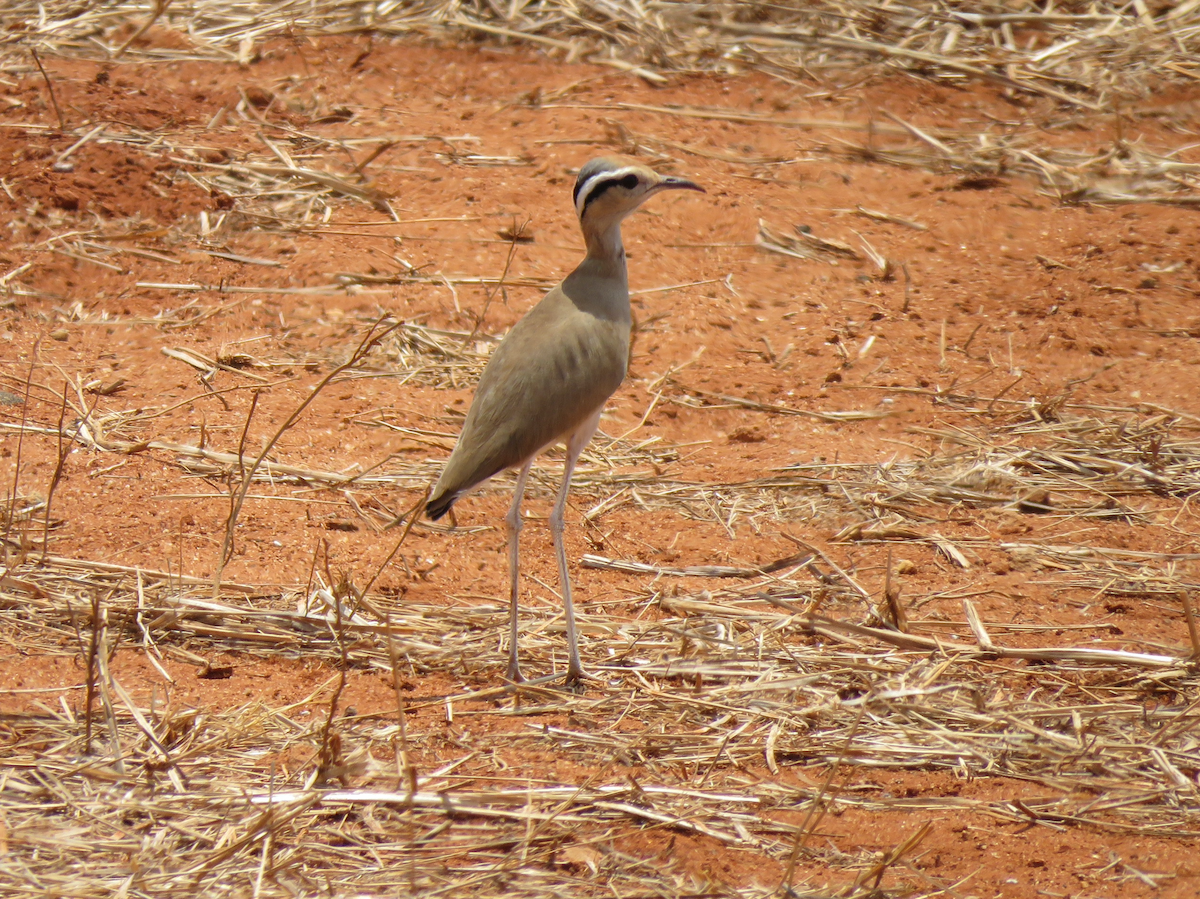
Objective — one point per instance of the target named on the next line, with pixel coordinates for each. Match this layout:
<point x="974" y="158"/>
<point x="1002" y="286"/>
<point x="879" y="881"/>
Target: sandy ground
<point x="1000" y="290"/>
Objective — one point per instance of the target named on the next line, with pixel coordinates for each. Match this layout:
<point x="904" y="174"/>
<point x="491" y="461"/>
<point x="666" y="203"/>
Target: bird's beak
<point x="671" y="182"/>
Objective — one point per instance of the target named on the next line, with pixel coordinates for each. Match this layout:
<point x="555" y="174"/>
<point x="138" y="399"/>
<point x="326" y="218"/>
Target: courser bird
<point x="548" y="380"/>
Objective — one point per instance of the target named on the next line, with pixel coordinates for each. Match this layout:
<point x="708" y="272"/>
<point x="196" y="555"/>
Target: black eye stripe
<point x="598" y="185"/>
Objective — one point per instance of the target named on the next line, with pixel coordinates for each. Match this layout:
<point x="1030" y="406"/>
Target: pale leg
<point x="575" y="446"/>
<point x="513" y="520"/>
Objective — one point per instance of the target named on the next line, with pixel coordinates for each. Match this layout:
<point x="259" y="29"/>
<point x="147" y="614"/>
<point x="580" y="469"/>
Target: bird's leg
<point x="575" y="445"/>
<point x="513" y="520"/>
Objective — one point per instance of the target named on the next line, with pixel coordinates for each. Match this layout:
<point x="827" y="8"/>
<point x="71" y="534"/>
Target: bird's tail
<point x="440" y="505"/>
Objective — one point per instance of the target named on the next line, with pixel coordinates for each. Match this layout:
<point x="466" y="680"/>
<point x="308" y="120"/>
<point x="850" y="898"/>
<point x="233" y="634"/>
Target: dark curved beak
<point x="672" y="182"/>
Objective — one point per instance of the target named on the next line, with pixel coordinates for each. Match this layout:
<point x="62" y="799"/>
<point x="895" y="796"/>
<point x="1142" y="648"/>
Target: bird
<point x="549" y="378"/>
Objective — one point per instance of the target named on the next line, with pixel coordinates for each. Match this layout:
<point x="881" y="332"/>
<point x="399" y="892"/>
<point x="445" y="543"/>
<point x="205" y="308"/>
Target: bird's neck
<point x="604" y="247"/>
<point x="600" y="283"/>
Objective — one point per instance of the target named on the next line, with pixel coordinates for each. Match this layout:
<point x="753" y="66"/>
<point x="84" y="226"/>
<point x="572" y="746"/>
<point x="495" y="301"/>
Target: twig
<point x="329" y="751"/>
<point x="62" y="122"/>
<point x="879" y="868"/>
<point x="415" y="513"/>
<point x="714" y="571"/>
<point x="12" y="509"/>
<point x="160" y="6"/>
<point x="93" y="649"/>
<point x="817" y="808"/>
<point x="514" y="239"/>
<point x="1190" y="615"/>
<point x="370" y="340"/>
<point x="227" y="551"/>
<point x="64" y="449"/>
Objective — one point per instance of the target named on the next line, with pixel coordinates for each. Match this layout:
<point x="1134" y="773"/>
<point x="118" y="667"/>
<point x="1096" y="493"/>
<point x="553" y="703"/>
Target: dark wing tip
<point x="439" y="505"/>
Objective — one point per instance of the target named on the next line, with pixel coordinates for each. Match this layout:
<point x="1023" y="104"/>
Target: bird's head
<point x="609" y="189"/>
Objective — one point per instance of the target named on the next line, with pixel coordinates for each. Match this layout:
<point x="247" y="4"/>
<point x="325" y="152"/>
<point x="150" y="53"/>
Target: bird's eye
<point x="629" y="182"/>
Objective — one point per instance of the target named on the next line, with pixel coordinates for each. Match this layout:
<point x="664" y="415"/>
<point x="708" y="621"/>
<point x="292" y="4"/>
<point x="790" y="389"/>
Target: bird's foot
<point x="575" y="679"/>
<point x="578" y="679"/>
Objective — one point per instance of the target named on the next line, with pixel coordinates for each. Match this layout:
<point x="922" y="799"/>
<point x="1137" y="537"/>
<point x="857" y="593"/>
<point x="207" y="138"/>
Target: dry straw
<point x="706" y="690"/>
<point x="711" y="693"/>
<point x="1082" y="58"/>
<point x="195" y="797"/>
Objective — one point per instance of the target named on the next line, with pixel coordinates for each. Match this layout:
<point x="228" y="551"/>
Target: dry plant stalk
<point x="1080" y="60"/>
<point x="62" y="122"/>
<point x="771" y="692"/>
<point x="515" y="238"/>
<point x="11" y="517"/>
<point x="64" y="446"/>
<point x="369" y="341"/>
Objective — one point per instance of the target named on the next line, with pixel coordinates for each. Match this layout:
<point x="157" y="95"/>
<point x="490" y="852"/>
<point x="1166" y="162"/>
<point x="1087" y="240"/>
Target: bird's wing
<point x="552" y="371"/>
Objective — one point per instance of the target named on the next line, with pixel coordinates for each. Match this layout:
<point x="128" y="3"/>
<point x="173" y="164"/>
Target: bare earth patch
<point x="883" y="551"/>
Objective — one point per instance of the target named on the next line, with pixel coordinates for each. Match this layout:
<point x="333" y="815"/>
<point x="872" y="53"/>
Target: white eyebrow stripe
<point x="593" y="182"/>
